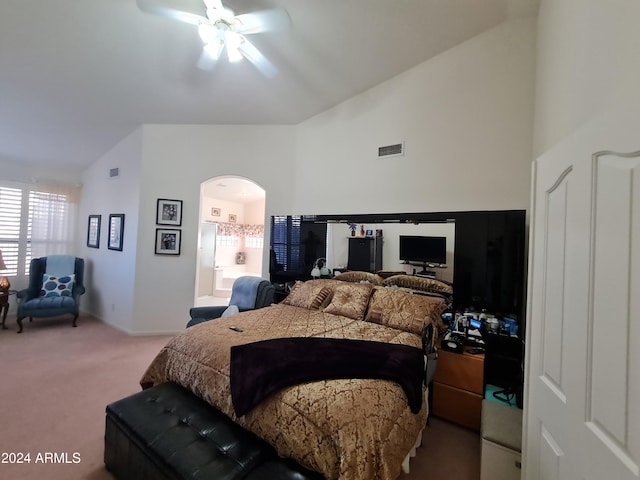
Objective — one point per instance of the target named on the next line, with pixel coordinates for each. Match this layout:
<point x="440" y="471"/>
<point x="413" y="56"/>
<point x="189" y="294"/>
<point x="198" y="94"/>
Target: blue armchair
<point x="247" y="293"/>
<point x="60" y="295"/>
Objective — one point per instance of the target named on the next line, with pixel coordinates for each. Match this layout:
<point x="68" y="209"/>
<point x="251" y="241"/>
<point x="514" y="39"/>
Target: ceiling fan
<point x="220" y="29"/>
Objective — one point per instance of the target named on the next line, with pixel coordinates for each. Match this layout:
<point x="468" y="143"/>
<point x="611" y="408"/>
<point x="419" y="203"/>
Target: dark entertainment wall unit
<point x="489" y="272"/>
<point x="489" y="254"/>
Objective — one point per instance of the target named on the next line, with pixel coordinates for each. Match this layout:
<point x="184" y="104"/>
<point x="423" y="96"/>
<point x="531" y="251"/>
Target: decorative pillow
<point x="57" y="286"/>
<point x="444" y="296"/>
<point x="312" y="294"/>
<point x="350" y="300"/>
<point x="389" y="273"/>
<point x="420" y="283"/>
<point x="357" y="277"/>
<point x="404" y="311"/>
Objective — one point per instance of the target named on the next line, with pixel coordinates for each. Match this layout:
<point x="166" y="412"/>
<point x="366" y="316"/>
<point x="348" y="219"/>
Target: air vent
<point x="114" y="172"/>
<point x="391" y="150"/>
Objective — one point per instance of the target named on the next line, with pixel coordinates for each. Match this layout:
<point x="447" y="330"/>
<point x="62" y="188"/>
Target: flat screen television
<point x="420" y="249"/>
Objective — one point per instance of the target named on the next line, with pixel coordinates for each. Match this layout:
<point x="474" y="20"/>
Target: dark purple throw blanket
<point x="261" y="368"/>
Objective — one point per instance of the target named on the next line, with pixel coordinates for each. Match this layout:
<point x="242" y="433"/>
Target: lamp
<point x="4" y="281"/>
<point x="320" y="268"/>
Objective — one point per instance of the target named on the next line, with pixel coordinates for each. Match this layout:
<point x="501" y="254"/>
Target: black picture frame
<point x="116" y="231"/>
<point x="93" y="231"/>
<point x="168" y="241"/>
<point x="169" y="212"/>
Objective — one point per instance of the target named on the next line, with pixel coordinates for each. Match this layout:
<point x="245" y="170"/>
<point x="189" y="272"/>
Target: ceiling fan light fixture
<point x="221" y="28"/>
<point x="214" y="50"/>
<point x="208" y="33"/>
<point x="233" y="40"/>
<point x="234" y="55"/>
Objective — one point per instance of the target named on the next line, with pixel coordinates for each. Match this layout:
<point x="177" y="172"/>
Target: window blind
<point x="285" y="240"/>
<point x="10" y="215"/>
<point x="35" y="221"/>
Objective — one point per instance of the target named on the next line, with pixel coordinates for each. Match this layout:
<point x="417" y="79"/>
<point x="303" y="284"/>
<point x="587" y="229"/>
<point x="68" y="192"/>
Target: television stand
<point x="426" y="273"/>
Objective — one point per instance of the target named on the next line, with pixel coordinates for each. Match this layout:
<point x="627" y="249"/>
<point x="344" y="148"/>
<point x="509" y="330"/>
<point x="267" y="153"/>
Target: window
<point x="48" y="225"/>
<point x="35" y="221"/>
<point x="10" y="216"/>
<point x="253" y="242"/>
<point x="226" y="241"/>
<point x="285" y="241"/>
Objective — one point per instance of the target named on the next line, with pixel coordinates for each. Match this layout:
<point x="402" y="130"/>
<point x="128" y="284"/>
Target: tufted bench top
<point x="166" y="432"/>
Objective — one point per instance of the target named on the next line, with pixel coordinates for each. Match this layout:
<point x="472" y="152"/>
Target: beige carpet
<point x="57" y="380"/>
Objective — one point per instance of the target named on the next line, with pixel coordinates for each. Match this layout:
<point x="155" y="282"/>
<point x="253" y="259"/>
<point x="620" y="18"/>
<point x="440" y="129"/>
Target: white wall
<point x="587" y="64"/>
<point x="176" y="159"/>
<point x="226" y="208"/>
<point x="254" y="213"/>
<point x="465" y="116"/>
<point x="110" y="275"/>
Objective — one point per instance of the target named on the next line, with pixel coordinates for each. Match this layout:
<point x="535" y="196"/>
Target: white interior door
<point x="583" y="400"/>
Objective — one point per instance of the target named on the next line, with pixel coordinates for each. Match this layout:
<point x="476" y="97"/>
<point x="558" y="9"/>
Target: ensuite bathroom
<point x="231" y="237"/>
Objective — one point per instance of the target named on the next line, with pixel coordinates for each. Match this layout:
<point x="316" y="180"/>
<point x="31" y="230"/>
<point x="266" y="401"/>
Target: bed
<point x="359" y="427"/>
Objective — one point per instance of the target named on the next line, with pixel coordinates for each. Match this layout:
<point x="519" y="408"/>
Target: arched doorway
<point x="230" y="236"/>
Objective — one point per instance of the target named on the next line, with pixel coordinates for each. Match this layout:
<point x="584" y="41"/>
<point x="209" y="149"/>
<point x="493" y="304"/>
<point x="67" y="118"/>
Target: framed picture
<point x="215" y="212"/>
<point x="168" y="241"/>
<point x="232" y="218"/>
<point x="169" y="212"/>
<point x="93" y="231"/>
<point x="116" y="231"/>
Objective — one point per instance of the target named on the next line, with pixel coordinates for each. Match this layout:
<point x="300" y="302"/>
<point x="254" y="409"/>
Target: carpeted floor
<point x="56" y="381"/>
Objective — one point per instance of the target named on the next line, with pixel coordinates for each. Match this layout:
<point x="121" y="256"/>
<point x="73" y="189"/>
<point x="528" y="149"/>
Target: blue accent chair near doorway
<point x="36" y="301"/>
<point x="247" y="293"/>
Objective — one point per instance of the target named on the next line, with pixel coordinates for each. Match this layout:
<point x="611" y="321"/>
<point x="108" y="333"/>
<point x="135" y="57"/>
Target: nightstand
<point x="458" y="388"/>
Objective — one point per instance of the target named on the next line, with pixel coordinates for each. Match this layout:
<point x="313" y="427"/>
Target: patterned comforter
<point x="347" y="429"/>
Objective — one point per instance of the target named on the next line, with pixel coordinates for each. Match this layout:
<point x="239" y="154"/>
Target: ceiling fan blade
<point x="216" y="11"/>
<point x="263" y="21"/>
<point x="217" y="4"/>
<point x="251" y="53"/>
<point x="190" y="11"/>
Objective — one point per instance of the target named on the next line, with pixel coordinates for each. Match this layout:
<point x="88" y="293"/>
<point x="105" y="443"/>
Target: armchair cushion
<point x="49" y="306"/>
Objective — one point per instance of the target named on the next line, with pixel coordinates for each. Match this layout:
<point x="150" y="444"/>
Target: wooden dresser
<point x="458" y="388"/>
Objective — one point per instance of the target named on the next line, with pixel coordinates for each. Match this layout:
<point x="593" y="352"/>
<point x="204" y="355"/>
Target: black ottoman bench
<point x="166" y="432"/>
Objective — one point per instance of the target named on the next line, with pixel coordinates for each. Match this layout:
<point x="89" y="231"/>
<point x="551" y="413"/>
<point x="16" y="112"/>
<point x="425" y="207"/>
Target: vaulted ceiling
<point x="76" y="76"/>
